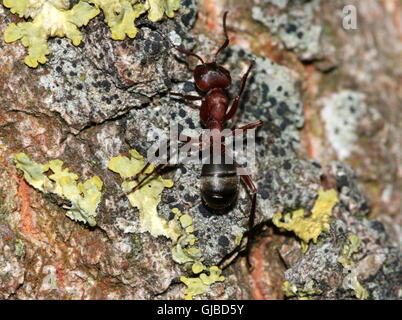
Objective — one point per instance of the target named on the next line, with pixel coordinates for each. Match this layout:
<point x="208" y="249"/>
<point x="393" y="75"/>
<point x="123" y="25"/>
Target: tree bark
<point x="328" y="89"/>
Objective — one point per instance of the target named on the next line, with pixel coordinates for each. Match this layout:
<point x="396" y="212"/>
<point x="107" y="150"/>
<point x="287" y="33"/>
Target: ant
<point x="219" y="182"/>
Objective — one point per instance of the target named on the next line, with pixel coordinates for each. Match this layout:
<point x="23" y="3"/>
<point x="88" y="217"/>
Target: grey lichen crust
<point x="341" y="113"/>
<point x="294" y="24"/>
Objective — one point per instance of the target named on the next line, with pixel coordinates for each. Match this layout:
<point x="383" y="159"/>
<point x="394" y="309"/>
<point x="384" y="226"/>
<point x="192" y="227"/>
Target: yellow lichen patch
<point x="359" y="291"/>
<point x="182" y="253"/>
<point x="126" y="167"/>
<point x="186" y="221"/>
<point x="197" y="267"/>
<point x="310" y="227"/>
<point x="346" y="260"/>
<point x="351" y="282"/>
<point x="348" y="250"/>
<point x="120" y="15"/>
<point x="55" y="19"/>
<point x="183" y="250"/>
<point x="49" y="19"/>
<point x="289" y="289"/>
<point x="33" y="171"/>
<point x="84" y="197"/>
<point x="239" y="238"/>
<point x="147" y="197"/>
<point x="292" y="290"/>
<point x="156" y="8"/>
<point x="200" y="284"/>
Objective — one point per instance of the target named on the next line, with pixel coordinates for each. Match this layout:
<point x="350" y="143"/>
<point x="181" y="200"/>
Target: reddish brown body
<point x="219" y="182"/>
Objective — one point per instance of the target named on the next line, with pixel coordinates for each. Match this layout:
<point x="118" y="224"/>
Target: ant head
<point x="210" y="75"/>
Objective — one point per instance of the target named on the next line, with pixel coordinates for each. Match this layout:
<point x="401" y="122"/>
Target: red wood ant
<point x="219" y="182"/>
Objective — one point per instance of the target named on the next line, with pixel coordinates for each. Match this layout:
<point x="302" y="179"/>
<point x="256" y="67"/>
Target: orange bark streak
<point x="257" y="274"/>
<point x="24" y="193"/>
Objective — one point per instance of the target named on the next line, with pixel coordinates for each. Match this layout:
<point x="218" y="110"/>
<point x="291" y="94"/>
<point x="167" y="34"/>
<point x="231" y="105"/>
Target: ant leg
<point x="249" y="126"/>
<point x="188" y="53"/>
<point x="186" y="97"/>
<point x="159" y="167"/>
<point x="181" y="50"/>
<point x="236" y="100"/>
<point x="225" y="44"/>
<point x="253" y="190"/>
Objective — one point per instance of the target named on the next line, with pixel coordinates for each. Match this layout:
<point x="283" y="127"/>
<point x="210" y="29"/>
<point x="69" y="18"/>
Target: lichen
<point x="84" y="197"/>
<point x="49" y="19"/>
<point x="304" y="293"/>
<point x="348" y="250"/>
<point x="147" y="197"/>
<point x="200" y="284"/>
<point x="156" y="8"/>
<point x="351" y="281"/>
<point x="120" y="15"/>
<point x="359" y="291"/>
<point x="183" y="250"/>
<point x="342" y="113"/>
<point x="19" y="247"/>
<point x="293" y="22"/>
<point x="310" y="227"/>
<point x="55" y="19"/>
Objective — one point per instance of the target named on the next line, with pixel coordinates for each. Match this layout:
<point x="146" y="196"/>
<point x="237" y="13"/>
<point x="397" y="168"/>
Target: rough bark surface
<point x="329" y="98"/>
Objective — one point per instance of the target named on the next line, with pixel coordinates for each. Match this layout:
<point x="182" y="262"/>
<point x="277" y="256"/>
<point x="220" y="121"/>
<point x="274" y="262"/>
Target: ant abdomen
<point x="219" y="186"/>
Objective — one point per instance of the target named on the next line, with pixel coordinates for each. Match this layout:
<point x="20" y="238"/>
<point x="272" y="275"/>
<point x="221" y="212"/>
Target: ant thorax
<point x="213" y="109"/>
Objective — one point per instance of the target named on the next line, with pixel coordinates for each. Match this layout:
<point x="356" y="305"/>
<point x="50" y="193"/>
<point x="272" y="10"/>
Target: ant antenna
<point x="225" y="44"/>
<point x="186" y="52"/>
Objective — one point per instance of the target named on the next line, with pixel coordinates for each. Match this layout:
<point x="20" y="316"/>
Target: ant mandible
<point x="219" y="182"/>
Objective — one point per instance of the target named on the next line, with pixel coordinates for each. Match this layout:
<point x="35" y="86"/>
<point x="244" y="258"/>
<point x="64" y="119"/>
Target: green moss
<point x="84" y="197"/>
<point x="310" y="227"/>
